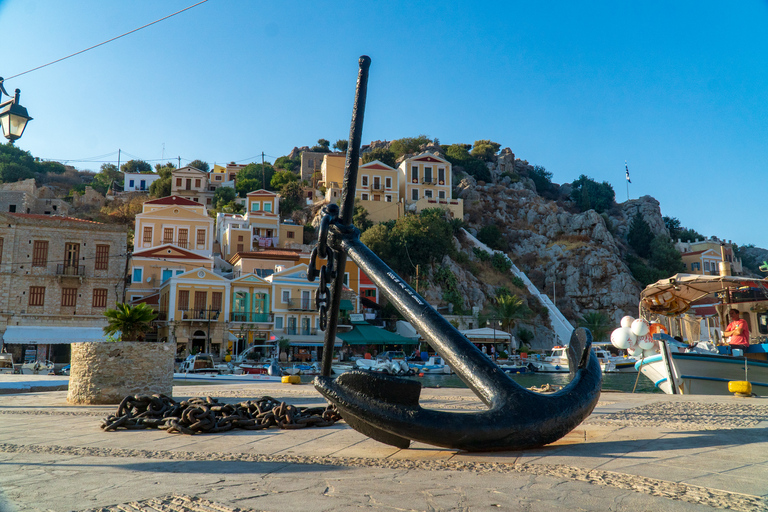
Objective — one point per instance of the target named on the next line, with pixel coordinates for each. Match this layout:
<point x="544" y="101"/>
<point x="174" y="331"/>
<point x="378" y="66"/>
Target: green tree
<point x="133" y="166"/>
<point x="291" y="197"/>
<point x="199" y="164"/>
<point x="254" y="177"/>
<point x="665" y="257"/>
<point x="541" y="178"/>
<point x="591" y="195"/>
<point x="690" y="235"/>
<point x="131" y="322"/>
<point x="459" y="156"/>
<point x="165" y="170"/>
<point x="458" y="151"/>
<point x="597" y="323"/>
<point x="408" y="145"/>
<point x="11" y="172"/>
<point x="490" y="235"/>
<point x="485" y="149"/>
<point x="640" y="236"/>
<point x="341" y="145"/>
<point x="508" y="309"/>
<point x="109" y="174"/>
<point x="282" y="178"/>
<point x="323" y="146"/>
<point x="673" y="226"/>
<point x="160" y="188"/>
<point x="360" y="217"/>
<point x="223" y="197"/>
<point x="383" y="155"/>
<point x="288" y="164"/>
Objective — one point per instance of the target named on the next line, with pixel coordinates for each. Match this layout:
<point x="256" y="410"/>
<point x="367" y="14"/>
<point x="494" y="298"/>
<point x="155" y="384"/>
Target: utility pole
<point x="263" y="173"/>
<point x="179" y="167"/>
<point x="417" y="279"/>
<point x="118" y="159"/>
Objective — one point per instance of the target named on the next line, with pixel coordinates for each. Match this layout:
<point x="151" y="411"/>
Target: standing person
<point x="493" y="352"/>
<point x="738" y="331"/>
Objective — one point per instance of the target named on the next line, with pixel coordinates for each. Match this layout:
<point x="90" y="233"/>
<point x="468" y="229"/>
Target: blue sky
<point x="677" y="89"/>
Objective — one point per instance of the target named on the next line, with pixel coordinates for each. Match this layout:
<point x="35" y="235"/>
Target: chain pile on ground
<point x="209" y="416"/>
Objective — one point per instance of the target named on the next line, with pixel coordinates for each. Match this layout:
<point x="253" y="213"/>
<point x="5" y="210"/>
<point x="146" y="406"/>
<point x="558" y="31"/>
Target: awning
<point x="369" y="303"/>
<point x="487" y="335"/>
<point x="346" y="305"/>
<point x="298" y="340"/>
<point x="232" y="337"/>
<point x="363" y="333"/>
<point x="52" y="335"/>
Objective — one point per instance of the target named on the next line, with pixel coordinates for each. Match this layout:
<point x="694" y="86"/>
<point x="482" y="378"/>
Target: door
<point x="71" y="258"/>
<point x="305" y="300"/>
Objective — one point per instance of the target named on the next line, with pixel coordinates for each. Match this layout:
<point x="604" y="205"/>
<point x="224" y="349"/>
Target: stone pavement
<point x="636" y="452"/>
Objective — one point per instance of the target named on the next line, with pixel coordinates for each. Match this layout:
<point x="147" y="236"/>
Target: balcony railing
<point x="236" y="316"/>
<point x="201" y="315"/>
<point x="65" y="269"/>
<point x="376" y="186"/>
<point x="302" y="304"/>
<point x="297" y="331"/>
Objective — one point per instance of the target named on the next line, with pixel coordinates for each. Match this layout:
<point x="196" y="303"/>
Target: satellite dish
<point x="149" y="279"/>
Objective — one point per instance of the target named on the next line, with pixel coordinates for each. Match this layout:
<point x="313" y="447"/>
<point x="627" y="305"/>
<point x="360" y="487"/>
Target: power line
<point x="108" y="40"/>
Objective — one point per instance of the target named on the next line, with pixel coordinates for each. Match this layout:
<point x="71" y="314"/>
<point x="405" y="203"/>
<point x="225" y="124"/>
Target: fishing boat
<point x="391" y="363"/>
<point x="6" y="363"/>
<point x="226" y="378"/>
<point x="198" y="364"/>
<point x="433" y="365"/>
<point x="557" y="361"/>
<point x="684" y="305"/>
<point x="37" y="368"/>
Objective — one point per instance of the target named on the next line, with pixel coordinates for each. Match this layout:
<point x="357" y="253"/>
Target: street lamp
<point x="13" y="117"/>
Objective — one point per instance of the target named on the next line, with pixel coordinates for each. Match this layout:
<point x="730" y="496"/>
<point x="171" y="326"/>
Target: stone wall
<point x="105" y="373"/>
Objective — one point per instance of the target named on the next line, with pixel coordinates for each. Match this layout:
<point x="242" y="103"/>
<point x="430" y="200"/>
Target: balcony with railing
<point x="303" y="304"/>
<point x="199" y="315"/>
<point x="66" y="269"/>
<point x="299" y="331"/>
<point x="242" y="316"/>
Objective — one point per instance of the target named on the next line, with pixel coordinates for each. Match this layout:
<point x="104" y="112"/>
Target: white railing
<point x="563" y="328"/>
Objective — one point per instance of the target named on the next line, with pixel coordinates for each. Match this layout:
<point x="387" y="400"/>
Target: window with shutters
<point x="147" y="234"/>
<point x="216" y="301"/>
<point x="102" y="257"/>
<point x="69" y="297"/>
<point x="240" y="248"/>
<point x="37" y="295"/>
<point x="201" y="300"/>
<point x="178" y="182"/>
<point x="40" y="253"/>
<point x="197" y="183"/>
<point x="99" y="297"/>
<point x="183" y="300"/>
<point x="168" y="235"/>
<point x="183" y="237"/>
<point x="200" y="237"/>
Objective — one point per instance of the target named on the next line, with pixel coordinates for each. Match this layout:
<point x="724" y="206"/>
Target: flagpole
<point x="627" y="175"/>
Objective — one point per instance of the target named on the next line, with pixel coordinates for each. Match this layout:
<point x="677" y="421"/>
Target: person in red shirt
<point x="738" y="331"/>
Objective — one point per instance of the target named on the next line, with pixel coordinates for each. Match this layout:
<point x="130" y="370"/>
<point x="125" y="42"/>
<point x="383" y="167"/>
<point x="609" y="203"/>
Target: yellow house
<point x="378" y="189"/>
<point x="193" y="184"/>
<point x="192" y="311"/>
<point x="264" y="263"/>
<point x="250" y="317"/>
<point x="425" y="182"/>
<point x="702" y="262"/>
<point x="224" y="173"/>
<point x="174" y="220"/>
<point x="150" y="268"/>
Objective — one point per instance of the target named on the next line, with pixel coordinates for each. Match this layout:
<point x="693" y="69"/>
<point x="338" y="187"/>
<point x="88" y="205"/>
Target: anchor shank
<point x="347" y="207"/>
<point x="477" y="371"/>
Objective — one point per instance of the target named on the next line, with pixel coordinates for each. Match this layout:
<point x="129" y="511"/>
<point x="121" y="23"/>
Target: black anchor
<point x="387" y="408"/>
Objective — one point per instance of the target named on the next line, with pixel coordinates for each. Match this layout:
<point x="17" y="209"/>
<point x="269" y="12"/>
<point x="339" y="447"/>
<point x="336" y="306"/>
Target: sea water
<point x="624" y="382"/>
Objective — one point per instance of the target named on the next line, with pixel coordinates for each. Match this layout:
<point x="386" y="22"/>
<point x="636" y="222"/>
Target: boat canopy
<point x="363" y="333"/>
<point x="674" y="295"/>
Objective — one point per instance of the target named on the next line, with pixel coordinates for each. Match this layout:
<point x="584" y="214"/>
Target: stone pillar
<point x="105" y="373"/>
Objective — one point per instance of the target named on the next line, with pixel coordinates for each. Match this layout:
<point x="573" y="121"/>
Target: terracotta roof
<point x="261" y="192"/>
<point x="177" y="200"/>
<point x="693" y="253"/>
<point x="37" y="216"/>
<point x="292" y="254"/>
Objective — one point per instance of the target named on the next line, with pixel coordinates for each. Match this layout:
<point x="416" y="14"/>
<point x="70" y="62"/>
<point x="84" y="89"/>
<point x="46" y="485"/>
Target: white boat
<point x="198" y="363"/>
<point x="392" y="363"/>
<point x="37" y="368"/>
<point x="213" y="377"/>
<point x="698" y="366"/>
<point x="433" y="365"/>
<point x="557" y="361"/>
<point x="6" y="363"/>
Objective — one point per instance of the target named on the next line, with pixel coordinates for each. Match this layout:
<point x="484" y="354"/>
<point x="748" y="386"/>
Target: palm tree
<point x="130" y="321"/>
<point x="508" y="309"/>
<point x="597" y="323"/>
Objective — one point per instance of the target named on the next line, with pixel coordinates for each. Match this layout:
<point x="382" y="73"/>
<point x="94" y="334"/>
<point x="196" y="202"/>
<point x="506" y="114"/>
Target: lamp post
<point x="13" y="117"/>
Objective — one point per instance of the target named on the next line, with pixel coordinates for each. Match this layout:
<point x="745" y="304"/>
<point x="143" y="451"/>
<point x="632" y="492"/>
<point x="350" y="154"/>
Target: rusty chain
<point x="209" y="416"/>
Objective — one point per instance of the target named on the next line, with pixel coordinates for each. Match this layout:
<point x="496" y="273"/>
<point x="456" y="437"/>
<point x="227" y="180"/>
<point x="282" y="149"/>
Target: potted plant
<point x="124" y="364"/>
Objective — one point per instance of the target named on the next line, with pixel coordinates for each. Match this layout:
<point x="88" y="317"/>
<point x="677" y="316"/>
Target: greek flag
<point x="627" y="168"/>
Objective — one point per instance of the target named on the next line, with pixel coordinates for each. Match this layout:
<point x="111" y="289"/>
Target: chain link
<point x="209" y="416"/>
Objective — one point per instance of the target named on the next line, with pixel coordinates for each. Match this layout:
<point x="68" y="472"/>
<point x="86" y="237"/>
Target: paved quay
<point x="641" y="452"/>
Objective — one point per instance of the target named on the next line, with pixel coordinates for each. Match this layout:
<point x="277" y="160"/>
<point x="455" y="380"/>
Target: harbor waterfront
<point x="637" y="451"/>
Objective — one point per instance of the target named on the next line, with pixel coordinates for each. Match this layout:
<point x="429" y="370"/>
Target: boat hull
<point x="207" y="377"/>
